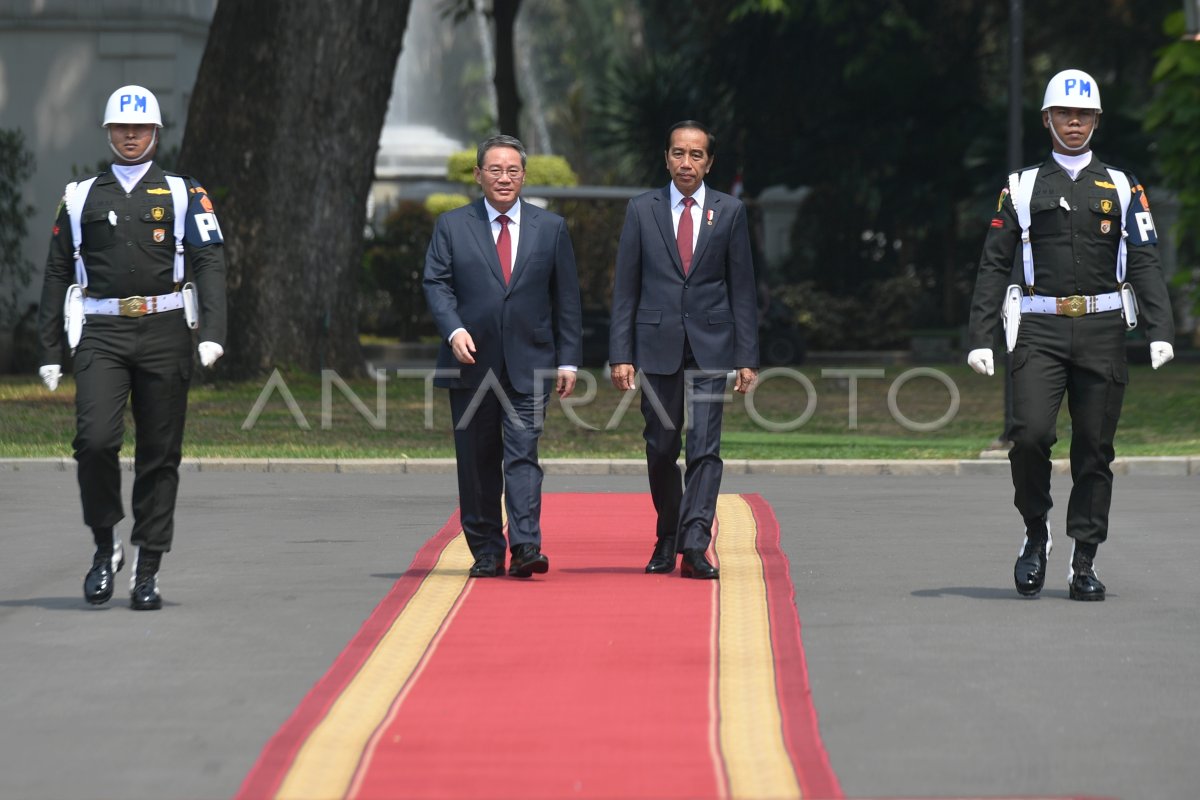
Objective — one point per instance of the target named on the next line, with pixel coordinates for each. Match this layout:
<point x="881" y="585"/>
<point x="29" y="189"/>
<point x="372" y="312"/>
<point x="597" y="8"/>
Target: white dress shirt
<point x="697" y="211"/>
<point x="514" y="227"/>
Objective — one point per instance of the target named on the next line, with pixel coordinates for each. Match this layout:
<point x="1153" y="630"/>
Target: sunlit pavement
<point x="930" y="675"/>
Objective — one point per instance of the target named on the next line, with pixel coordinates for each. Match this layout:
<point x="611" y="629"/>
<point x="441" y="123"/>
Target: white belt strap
<point x="1124" y="194"/>
<point x="1075" y="306"/>
<point x="75" y="196"/>
<point x="180" y="199"/>
<point x="1020" y="188"/>
<point x="132" y="306"/>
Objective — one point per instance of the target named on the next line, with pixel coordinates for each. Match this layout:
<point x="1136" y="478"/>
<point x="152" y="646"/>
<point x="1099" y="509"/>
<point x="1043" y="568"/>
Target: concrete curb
<point x="1134" y="465"/>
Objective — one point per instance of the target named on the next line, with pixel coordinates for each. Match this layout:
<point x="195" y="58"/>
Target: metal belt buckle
<point x="1073" y="306"/>
<point x="133" y="306"/>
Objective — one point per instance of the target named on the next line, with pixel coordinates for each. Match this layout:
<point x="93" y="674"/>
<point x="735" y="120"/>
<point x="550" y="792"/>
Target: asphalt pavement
<point x="931" y="677"/>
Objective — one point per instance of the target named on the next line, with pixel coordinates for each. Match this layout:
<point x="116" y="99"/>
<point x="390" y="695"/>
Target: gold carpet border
<point x="326" y="763"/>
<point x="751" y="731"/>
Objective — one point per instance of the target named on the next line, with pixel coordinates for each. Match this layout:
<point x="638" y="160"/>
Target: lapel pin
<point x="709" y="216"/>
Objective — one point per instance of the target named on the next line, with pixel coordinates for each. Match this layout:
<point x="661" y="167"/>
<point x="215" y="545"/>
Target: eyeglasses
<point x="495" y="172"/>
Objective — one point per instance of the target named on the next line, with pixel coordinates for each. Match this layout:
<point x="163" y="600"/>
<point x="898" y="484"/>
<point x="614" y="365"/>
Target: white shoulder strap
<point x="75" y="196"/>
<point x="1125" y="194"/>
<point x="1020" y="189"/>
<point x="180" y="200"/>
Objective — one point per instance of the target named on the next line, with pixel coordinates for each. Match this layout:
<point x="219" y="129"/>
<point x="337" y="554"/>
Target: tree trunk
<point x="508" y="100"/>
<point x="283" y="129"/>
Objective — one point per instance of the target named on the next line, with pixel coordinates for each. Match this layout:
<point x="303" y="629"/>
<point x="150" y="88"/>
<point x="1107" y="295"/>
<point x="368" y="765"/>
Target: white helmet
<point x="1072" y="88"/>
<point x="135" y="105"/>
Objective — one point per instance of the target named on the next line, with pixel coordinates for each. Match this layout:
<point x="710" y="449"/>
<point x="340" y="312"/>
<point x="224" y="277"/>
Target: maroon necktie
<point x="683" y="238"/>
<point x="504" y="248"/>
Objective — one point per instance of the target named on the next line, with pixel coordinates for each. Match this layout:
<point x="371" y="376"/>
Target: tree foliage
<point x="893" y="113"/>
<point x="16" y="167"/>
<point x="1174" y="119"/>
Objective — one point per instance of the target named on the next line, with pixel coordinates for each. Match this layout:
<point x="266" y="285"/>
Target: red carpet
<point x="595" y="680"/>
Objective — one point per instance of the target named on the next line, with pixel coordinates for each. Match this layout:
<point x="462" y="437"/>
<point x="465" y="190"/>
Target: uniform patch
<point x="1106" y="185"/>
<point x="160" y="235"/>
<point x="197" y="190"/>
<point x="1000" y="202"/>
<point x="1105" y="225"/>
<point x="1106" y="207"/>
<point x="997" y="222"/>
<point x="158" y="191"/>
<point x="157" y="213"/>
<point x="1145" y="199"/>
<point x="206" y="203"/>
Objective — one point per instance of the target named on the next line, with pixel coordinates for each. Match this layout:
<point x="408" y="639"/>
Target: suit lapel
<point x="481" y="230"/>
<point x="529" y="225"/>
<point x="662" y="215"/>
<point x="708" y="220"/>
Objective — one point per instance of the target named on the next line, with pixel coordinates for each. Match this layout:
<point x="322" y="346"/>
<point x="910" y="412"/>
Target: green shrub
<point x="549" y="171"/>
<point x="391" y="301"/>
<point x="439" y="203"/>
<point x="460" y="166"/>
<point x="540" y="170"/>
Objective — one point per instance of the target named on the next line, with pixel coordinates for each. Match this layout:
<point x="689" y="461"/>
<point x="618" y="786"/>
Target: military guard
<point x="135" y="269"/>
<point x="1090" y="265"/>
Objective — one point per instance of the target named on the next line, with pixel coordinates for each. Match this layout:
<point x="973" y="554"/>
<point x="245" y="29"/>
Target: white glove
<point x="210" y="352"/>
<point x="50" y="375"/>
<point x="981" y="361"/>
<point x="1160" y="353"/>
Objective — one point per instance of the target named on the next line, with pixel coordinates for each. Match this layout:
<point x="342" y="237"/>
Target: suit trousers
<point x="685" y="510"/>
<point x="147" y="363"/>
<point x="496" y="432"/>
<point x="1084" y="359"/>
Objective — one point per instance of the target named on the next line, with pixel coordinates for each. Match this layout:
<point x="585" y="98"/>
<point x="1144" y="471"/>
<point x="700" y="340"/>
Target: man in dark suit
<point x="684" y="312"/>
<point x="501" y="284"/>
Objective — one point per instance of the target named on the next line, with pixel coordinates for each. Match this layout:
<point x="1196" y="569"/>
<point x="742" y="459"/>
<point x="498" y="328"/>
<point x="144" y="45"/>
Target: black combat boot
<point x="1029" y="573"/>
<point x="1084" y="583"/>
<point x="143" y="595"/>
<point x="106" y="563"/>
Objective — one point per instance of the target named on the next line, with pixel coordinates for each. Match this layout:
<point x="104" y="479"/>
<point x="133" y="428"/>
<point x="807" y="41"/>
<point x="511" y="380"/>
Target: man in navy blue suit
<point x="685" y="314"/>
<point x="501" y="284"/>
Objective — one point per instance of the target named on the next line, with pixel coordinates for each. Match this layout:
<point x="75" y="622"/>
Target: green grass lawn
<point x="1161" y="417"/>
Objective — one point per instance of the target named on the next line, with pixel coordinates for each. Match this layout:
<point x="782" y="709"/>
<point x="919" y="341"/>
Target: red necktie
<point x="504" y="248"/>
<point x="683" y="238"/>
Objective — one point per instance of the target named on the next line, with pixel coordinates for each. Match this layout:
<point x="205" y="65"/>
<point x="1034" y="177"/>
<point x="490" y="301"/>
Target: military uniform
<point x="1075" y="230"/>
<point x="128" y="247"/>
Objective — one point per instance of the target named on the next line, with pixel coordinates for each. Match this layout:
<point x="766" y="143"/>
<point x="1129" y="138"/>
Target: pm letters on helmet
<point x="136" y="100"/>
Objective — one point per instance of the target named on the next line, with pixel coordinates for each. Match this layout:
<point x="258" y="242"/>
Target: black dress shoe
<point x="98" y="583"/>
<point x="526" y="560"/>
<point x="145" y="596"/>
<point x="1084" y="583"/>
<point x="663" y="560"/>
<point x="696" y="565"/>
<point x="487" y="566"/>
<point x="1029" y="573"/>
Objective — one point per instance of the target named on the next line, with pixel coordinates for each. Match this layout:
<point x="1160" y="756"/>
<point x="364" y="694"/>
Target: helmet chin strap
<point x="121" y="156"/>
<point x="1064" y="145"/>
